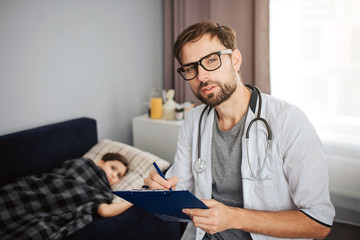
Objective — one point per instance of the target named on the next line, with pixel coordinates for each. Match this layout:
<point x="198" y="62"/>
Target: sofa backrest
<point x="41" y="149"/>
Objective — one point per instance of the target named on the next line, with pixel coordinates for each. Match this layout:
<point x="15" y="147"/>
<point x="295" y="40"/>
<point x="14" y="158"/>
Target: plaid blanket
<point x="53" y="205"/>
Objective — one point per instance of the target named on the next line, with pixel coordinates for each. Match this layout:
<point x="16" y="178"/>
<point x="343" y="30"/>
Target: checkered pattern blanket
<point x="53" y="205"/>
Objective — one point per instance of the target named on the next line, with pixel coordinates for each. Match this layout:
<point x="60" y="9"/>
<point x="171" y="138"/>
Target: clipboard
<point x="165" y="204"/>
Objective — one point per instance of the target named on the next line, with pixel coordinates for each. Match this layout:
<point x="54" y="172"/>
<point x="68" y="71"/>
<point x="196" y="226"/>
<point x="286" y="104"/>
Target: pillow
<point x="140" y="163"/>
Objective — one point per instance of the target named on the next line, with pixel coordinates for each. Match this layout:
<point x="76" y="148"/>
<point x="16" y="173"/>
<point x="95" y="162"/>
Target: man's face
<point x="210" y="87"/>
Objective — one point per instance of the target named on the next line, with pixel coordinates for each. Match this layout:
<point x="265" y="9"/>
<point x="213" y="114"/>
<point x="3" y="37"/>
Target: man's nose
<point x="203" y="75"/>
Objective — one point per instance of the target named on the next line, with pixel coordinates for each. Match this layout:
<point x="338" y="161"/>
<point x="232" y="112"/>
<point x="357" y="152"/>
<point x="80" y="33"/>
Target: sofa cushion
<point x="41" y="149"/>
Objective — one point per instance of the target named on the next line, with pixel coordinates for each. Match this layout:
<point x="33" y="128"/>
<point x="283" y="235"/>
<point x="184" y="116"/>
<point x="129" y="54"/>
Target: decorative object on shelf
<point x="179" y="112"/>
<point x="187" y="107"/>
<point x="169" y="105"/>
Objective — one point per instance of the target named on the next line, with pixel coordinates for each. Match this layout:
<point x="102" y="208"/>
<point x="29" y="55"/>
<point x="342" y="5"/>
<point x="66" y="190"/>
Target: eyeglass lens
<point x="209" y="63"/>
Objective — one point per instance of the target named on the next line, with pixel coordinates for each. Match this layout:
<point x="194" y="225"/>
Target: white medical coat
<point x="296" y="166"/>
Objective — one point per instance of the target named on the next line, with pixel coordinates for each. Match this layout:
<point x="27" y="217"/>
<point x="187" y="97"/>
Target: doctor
<point x="254" y="160"/>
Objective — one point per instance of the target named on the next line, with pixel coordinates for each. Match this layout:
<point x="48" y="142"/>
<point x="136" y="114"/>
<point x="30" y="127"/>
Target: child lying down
<point x="56" y="204"/>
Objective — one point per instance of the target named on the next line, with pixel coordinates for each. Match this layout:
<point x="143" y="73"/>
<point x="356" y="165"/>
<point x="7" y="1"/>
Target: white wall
<point x="65" y="59"/>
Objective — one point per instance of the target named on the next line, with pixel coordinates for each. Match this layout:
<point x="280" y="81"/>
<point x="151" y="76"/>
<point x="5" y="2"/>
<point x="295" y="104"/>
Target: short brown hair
<point x="226" y="36"/>
<point x="116" y="157"/>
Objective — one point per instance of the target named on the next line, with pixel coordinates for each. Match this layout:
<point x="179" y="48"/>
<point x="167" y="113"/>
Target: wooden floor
<point x="340" y="231"/>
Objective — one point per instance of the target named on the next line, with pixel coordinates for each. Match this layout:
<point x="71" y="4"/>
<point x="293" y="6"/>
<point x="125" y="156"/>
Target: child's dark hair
<point x="115" y="156"/>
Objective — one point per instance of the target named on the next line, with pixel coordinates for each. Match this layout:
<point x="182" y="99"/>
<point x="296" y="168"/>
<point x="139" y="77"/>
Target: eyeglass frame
<point x="219" y="53"/>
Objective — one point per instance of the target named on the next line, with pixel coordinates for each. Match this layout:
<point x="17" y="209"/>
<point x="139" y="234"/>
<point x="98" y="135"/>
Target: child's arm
<point x="113" y="209"/>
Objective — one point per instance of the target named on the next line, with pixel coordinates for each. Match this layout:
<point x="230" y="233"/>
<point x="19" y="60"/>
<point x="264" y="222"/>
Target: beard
<point x="215" y="99"/>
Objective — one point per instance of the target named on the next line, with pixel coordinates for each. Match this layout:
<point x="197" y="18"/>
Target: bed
<point x="41" y="149"/>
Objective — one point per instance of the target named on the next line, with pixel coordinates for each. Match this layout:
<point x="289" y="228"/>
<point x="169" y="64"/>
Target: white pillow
<point x="140" y="163"/>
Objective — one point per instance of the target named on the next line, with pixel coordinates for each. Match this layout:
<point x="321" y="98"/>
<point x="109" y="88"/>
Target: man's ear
<point x="236" y="59"/>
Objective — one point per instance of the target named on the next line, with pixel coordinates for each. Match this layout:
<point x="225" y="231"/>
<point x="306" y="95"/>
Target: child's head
<point x="114" y="165"/>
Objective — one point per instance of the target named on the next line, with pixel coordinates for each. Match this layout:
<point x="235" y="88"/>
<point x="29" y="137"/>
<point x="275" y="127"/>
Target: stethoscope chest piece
<point x="200" y="165"/>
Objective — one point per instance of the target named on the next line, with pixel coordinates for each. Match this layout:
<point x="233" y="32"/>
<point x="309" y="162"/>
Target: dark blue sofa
<point x="41" y="149"/>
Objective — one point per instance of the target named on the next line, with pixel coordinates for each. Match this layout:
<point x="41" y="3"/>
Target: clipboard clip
<point x="146" y="188"/>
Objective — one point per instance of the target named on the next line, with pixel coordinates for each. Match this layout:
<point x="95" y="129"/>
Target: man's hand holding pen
<point x="157" y="180"/>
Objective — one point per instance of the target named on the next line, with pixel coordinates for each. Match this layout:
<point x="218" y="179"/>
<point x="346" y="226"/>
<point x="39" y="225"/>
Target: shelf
<point x="157" y="136"/>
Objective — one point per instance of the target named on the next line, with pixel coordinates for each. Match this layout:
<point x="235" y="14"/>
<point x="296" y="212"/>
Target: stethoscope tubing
<point x="200" y="164"/>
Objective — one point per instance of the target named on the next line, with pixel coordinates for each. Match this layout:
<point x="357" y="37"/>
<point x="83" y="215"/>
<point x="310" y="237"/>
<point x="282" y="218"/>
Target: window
<point x="315" y="63"/>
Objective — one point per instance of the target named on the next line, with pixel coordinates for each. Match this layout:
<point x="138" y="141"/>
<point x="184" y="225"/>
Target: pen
<point x="159" y="171"/>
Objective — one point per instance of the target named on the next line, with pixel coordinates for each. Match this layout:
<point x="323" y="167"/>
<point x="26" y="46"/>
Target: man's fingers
<point x="173" y="182"/>
<point x="154" y="180"/>
<point x="204" y="219"/>
<point x="201" y="212"/>
<point x="209" y="202"/>
<point x="196" y="212"/>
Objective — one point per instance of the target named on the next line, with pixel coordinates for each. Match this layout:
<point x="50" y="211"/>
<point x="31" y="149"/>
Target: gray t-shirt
<point x="226" y="173"/>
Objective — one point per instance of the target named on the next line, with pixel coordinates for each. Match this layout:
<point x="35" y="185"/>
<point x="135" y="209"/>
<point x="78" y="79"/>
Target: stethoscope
<point x="200" y="164"/>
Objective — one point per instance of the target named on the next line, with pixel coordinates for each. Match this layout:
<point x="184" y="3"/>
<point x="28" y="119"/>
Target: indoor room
<point x="79" y="79"/>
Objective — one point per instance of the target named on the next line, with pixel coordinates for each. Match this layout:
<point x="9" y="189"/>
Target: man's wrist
<point x="236" y="215"/>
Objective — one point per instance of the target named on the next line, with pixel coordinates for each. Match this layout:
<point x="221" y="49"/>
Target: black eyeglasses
<point x="210" y="62"/>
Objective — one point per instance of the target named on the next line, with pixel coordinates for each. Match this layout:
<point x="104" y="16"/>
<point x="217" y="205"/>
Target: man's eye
<point x="212" y="60"/>
<point x="189" y="69"/>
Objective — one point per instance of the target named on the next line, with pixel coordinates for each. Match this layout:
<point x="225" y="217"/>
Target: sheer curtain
<point x="250" y="20"/>
<point x="316" y="65"/>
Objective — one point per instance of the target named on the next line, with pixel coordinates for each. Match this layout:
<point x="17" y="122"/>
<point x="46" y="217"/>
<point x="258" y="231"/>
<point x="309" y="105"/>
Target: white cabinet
<point x="158" y="137"/>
